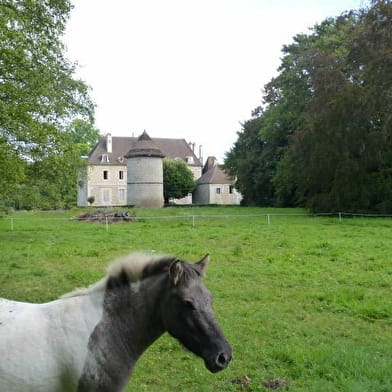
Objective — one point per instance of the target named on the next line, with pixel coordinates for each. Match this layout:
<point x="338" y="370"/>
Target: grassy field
<point x="306" y="302"/>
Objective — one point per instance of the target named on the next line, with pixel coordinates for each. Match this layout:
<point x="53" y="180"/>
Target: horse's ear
<point x="175" y="271"/>
<point x="201" y="264"/>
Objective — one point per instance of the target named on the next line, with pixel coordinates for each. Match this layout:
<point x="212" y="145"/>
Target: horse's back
<point x="28" y="361"/>
<point x="17" y="319"/>
<point x="43" y="346"/>
<point x="12" y="310"/>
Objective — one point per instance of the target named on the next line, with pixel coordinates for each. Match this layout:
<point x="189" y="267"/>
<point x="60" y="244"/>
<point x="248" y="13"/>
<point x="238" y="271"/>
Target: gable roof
<point x="216" y="175"/>
<point x="171" y="148"/>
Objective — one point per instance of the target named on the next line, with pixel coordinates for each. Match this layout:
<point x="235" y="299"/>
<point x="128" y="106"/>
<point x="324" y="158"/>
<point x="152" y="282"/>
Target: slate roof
<point x="171" y="148"/>
<point x="210" y="163"/>
<point x="215" y="175"/>
<point x="144" y="147"/>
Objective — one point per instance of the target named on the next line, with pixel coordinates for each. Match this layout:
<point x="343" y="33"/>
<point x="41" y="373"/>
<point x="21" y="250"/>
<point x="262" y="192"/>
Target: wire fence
<point x="11" y="223"/>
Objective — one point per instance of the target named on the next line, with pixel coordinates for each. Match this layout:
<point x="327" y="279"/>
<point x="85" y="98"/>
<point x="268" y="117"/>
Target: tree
<point x="324" y="138"/>
<point x="51" y="181"/>
<point x="317" y="60"/>
<point x="39" y="96"/>
<point x="251" y="161"/>
<point x="340" y="158"/>
<point x="262" y="144"/>
<point x="290" y="95"/>
<point x="83" y="134"/>
<point x="12" y="171"/>
<point x="178" y="179"/>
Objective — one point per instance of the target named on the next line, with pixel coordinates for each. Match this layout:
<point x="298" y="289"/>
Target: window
<point x="121" y="174"/>
<point x="106" y="195"/>
<point x="105" y="158"/>
<point x="121" y="194"/>
<point x="105" y="175"/>
<point x="218" y="191"/>
<point x="231" y="189"/>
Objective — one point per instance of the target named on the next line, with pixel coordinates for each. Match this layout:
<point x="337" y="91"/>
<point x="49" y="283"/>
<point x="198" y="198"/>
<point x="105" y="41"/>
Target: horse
<point x="90" y="339"/>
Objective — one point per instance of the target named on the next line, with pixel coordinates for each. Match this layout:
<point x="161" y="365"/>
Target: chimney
<point x="109" y="143"/>
<point x="201" y="154"/>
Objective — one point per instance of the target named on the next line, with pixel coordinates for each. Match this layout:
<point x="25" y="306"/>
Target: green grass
<point x="303" y="299"/>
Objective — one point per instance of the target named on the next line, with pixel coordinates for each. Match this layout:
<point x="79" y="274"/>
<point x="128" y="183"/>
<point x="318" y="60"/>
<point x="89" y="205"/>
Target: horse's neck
<point x="80" y="313"/>
<point x="141" y="314"/>
<point x="130" y="323"/>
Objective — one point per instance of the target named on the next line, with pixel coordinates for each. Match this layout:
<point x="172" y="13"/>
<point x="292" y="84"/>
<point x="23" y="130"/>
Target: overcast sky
<point x="181" y="68"/>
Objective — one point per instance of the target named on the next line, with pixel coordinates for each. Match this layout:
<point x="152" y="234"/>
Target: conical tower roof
<point x="144" y="147"/>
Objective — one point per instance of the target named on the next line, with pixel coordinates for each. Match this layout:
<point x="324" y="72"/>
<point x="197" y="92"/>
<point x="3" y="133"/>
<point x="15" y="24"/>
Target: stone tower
<point x="145" y="174"/>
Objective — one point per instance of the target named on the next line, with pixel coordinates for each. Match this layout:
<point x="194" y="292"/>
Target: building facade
<point x="124" y="171"/>
<point x="215" y="186"/>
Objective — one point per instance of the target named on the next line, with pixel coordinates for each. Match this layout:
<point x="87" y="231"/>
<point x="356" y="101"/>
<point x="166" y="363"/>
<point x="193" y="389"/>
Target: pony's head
<point x="188" y="316"/>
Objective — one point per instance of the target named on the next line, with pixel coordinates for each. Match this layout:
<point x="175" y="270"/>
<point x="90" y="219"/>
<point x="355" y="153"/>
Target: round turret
<point x="145" y="173"/>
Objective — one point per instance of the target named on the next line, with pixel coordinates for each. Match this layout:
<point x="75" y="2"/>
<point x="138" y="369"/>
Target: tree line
<point x="46" y="114"/>
<point x="323" y="137"/>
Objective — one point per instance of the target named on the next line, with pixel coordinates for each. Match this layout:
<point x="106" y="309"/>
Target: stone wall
<point x="106" y="185"/>
<point x="145" y="182"/>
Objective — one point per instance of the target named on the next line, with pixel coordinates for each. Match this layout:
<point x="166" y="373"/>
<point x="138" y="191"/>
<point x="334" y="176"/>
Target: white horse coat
<point x="43" y="346"/>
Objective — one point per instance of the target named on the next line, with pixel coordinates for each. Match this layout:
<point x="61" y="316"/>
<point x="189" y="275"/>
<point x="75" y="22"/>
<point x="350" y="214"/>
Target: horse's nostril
<point x="222" y="360"/>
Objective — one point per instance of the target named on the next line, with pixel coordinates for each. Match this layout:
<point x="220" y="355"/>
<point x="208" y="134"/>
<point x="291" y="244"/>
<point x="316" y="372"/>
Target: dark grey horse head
<point x="188" y="316"/>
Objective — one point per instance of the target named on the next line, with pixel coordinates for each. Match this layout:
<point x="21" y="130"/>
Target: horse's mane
<point x="136" y="266"/>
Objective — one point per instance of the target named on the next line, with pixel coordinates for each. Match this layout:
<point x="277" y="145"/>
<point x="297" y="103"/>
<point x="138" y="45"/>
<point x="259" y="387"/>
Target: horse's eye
<point x="189" y="304"/>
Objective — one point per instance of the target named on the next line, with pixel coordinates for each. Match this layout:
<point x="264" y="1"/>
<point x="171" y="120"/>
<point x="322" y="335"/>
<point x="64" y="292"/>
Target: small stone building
<point x="215" y="186"/>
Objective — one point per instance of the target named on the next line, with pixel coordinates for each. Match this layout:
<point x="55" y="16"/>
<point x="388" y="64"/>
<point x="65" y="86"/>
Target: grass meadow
<point x="306" y="302"/>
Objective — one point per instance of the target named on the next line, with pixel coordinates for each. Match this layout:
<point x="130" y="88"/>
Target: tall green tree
<point x="82" y="135"/>
<point x="39" y="95"/>
<point x="290" y="95"/>
<point x="285" y="100"/>
<point x="51" y="181"/>
<point x="341" y="156"/>
<point x="318" y="64"/>
<point x="178" y="179"/>
<point x="325" y="130"/>
<point x="251" y="161"/>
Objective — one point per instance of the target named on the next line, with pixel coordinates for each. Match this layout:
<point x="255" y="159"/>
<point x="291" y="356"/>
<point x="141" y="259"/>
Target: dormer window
<point x="189" y="160"/>
<point x="120" y="159"/>
<point x="105" y="158"/>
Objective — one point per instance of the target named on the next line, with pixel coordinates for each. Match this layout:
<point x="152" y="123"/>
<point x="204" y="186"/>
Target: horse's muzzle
<point x="219" y="361"/>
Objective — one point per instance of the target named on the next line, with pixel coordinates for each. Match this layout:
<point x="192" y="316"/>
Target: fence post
<point x="193" y="221"/>
<point x="340" y="217"/>
<point x="12" y="224"/>
<point x="106" y="224"/>
<point x="268" y="219"/>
